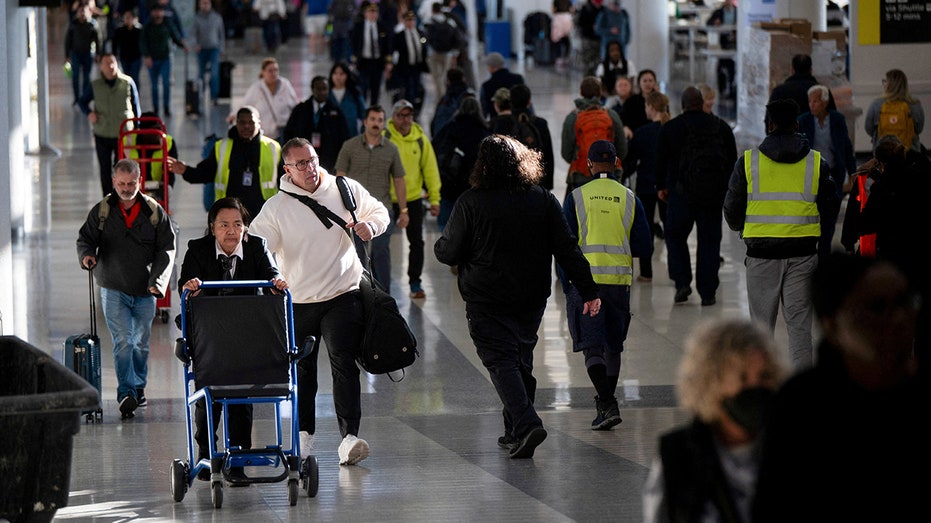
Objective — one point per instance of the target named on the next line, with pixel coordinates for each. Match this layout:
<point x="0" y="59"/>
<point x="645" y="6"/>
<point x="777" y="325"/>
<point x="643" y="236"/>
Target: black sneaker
<point x="706" y="302"/>
<point x="127" y="406"/>
<point x="658" y="231"/>
<point x="506" y="442"/>
<point x="607" y="414"/>
<point x="682" y="294"/>
<point x="140" y="398"/>
<point x="528" y="443"/>
<point x="237" y="477"/>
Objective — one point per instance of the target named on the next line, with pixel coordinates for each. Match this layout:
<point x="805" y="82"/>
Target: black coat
<point x="508" y="270"/>
<point x="505" y="125"/>
<point x="200" y="261"/>
<point x="403" y="64"/>
<point x="500" y="78"/>
<point x="796" y="88"/>
<point x="331" y="128"/>
<point x="357" y="40"/>
<point x="464" y="133"/>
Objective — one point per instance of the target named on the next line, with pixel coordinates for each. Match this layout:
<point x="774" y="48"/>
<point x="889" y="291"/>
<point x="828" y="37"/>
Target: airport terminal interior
<point x="433" y="435"/>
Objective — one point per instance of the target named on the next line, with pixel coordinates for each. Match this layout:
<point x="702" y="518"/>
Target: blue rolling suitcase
<point x="82" y="355"/>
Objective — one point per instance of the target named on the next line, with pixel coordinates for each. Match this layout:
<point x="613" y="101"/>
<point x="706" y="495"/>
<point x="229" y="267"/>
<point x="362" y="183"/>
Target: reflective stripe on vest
<point x="269" y="154"/>
<point x="605" y="211"/>
<point x="155" y="168"/>
<point x="781" y="197"/>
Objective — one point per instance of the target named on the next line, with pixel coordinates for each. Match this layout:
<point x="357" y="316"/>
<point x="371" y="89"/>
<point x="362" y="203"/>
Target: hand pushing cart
<point x="240" y="350"/>
<point x="146" y="141"/>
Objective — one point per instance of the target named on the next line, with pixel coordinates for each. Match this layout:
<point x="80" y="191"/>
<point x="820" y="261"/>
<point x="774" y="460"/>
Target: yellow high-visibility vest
<point x="782" y="197"/>
<point x="605" y="211"/>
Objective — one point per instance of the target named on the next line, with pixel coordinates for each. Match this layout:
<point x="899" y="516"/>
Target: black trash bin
<point x="40" y="411"/>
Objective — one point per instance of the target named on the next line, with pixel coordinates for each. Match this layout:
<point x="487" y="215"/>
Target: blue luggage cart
<point x="240" y="350"/>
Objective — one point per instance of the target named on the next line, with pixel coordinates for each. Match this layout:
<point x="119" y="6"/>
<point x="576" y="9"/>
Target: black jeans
<point x="240" y="425"/>
<point x="107" y="149"/>
<point x="505" y="344"/>
<point x="339" y="322"/>
<point x="414" y="232"/>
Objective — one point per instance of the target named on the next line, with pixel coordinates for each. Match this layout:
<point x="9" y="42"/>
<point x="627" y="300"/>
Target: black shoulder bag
<point x="388" y="344"/>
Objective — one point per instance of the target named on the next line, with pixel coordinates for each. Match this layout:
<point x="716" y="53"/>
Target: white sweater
<point x="318" y="263"/>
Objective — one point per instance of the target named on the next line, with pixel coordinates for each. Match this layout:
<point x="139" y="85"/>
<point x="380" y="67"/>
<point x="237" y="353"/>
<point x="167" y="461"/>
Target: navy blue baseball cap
<point x="602" y="151"/>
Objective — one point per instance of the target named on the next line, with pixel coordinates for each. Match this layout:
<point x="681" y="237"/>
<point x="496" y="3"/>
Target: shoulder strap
<point x="326" y="216"/>
<point x="103" y="211"/>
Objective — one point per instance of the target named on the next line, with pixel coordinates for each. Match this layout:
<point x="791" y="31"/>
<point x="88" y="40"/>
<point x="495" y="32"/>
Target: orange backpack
<point x="591" y="124"/>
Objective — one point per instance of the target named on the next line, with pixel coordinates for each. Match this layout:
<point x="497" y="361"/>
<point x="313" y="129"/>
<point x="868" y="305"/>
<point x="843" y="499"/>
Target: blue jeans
<point x="133" y="68"/>
<point x="161" y="69"/>
<point x="210" y="58"/>
<point x="129" y="319"/>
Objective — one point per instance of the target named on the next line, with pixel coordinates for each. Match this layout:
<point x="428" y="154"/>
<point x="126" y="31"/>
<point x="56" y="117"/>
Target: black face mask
<point x="748" y="408"/>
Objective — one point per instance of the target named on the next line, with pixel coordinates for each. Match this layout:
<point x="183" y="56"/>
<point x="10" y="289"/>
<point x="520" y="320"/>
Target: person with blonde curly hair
<point x="706" y="470"/>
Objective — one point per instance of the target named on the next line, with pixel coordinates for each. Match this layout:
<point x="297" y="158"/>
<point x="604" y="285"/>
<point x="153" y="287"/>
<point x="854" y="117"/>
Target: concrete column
<point x="814" y="11"/>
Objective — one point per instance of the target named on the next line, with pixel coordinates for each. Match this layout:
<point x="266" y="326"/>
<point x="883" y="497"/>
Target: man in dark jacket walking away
<point x="777" y="197"/>
<point x="695" y="155"/>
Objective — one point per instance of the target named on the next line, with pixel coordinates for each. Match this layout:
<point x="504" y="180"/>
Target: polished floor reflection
<point x="433" y="435"/>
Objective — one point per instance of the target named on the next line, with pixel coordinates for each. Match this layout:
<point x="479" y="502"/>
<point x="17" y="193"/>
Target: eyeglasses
<point x="302" y="165"/>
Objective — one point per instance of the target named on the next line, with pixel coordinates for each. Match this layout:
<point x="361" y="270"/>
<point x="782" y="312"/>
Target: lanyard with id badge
<point x="247" y="177"/>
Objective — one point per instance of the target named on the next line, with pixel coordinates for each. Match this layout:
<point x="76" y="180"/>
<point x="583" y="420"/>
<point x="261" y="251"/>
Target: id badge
<point x="247" y="178"/>
<point x="315" y="140"/>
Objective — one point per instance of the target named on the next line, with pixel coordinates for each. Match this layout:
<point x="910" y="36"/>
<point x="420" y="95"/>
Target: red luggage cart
<point x="145" y="140"/>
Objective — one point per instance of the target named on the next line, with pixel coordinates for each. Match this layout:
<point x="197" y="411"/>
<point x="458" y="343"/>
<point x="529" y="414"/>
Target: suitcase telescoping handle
<point x="92" y="300"/>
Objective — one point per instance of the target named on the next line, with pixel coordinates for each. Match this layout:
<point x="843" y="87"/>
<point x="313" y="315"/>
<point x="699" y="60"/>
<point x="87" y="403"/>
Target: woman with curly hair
<point x="706" y="470"/>
<point x="503" y="235"/>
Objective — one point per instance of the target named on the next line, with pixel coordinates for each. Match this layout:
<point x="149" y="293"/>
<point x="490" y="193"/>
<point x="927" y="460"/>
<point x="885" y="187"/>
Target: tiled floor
<point x="433" y="436"/>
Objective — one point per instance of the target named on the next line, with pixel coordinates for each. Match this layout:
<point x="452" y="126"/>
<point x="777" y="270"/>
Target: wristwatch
<point x="404" y="210"/>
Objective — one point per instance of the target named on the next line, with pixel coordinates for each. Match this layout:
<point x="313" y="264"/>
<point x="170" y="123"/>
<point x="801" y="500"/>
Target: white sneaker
<point x="352" y="450"/>
<point x="307" y="443"/>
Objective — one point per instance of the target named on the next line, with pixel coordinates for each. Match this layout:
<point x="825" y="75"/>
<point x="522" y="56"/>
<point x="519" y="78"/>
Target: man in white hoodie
<point x="322" y="269"/>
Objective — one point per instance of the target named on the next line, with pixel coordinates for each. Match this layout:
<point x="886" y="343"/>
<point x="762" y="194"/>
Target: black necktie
<point x="374" y="40"/>
<point x="227" y="263"/>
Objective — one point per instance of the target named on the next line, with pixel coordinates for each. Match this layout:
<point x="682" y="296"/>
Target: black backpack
<point x="703" y="165"/>
<point x="523" y="129"/>
<point x="443" y="36"/>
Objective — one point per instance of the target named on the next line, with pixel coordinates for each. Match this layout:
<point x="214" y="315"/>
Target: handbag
<point x="388" y="344"/>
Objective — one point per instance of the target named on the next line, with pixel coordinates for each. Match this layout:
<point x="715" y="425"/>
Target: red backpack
<point x="591" y="124"/>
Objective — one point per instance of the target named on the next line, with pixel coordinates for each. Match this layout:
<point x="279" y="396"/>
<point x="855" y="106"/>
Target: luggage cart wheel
<point x="216" y="494"/>
<point x="310" y="476"/>
<point x="178" y="475"/>
<point x="292" y="492"/>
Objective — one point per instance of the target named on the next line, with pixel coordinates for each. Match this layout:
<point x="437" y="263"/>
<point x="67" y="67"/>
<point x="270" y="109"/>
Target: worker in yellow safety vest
<point x="246" y="164"/>
<point x="612" y="229"/>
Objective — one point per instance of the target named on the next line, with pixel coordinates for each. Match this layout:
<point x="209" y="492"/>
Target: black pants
<point x="505" y="345"/>
<point x="414" y="232"/>
<point x="240" y="425"/>
<point x="107" y="149"/>
<point x="371" y="72"/>
<point x="339" y="323"/>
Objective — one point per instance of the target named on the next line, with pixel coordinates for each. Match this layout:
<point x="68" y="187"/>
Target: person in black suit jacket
<point x="411" y="48"/>
<point x="321" y="121"/>
<point x="227" y="226"/>
<point x="371" y="63"/>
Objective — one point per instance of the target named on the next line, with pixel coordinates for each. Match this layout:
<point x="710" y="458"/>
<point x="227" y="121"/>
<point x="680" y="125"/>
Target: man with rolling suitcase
<point x="129" y="241"/>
